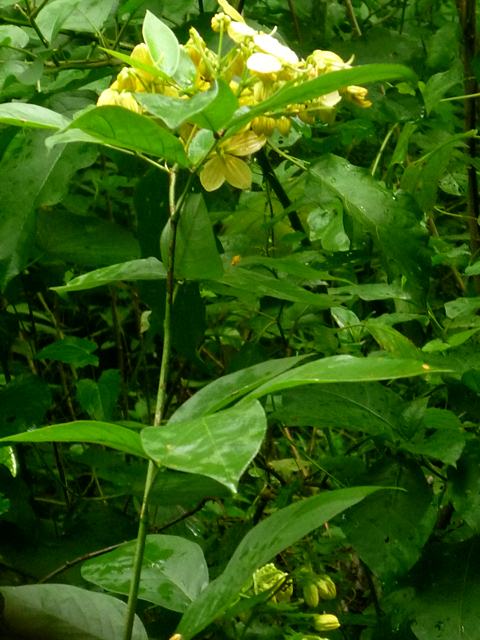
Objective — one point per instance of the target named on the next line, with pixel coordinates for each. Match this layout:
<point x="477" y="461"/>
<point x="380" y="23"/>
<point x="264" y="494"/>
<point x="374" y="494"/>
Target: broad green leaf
<point x="393" y="341"/>
<point x="320" y="86"/>
<point x="465" y="485"/>
<point x="71" y="350"/>
<point x="447" y="592"/>
<point x="218" y="112"/>
<point x="13" y="36"/>
<point x="87" y="242"/>
<point x="225" y="390"/>
<point x="326" y="225"/>
<point x="262" y="544"/>
<point x="389" y="529"/>
<point x="439" y="84"/>
<point x="219" y="446"/>
<point x="462" y="307"/>
<point x="15" y="413"/>
<point x="64" y="612"/>
<point x="445" y="445"/>
<point x="22" y="114"/>
<point x="346" y="369"/>
<point x="368" y="407"/>
<point x="76" y="15"/>
<point x="261" y="283"/>
<point x="389" y="219"/>
<point x="142" y="269"/>
<point x="162" y="44"/>
<point x="24" y="169"/>
<point x="98" y="399"/>
<point x="196" y="254"/>
<point x="174" y="571"/>
<point x="378" y="291"/>
<point x="94" y="432"/>
<point x="124" y="129"/>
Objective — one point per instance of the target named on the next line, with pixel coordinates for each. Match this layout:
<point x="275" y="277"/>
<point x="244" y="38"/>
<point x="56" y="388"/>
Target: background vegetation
<point x="359" y="238"/>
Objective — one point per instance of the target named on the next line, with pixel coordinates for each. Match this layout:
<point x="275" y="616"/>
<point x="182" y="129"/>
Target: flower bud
<point x="325" y="622"/>
<point x="326" y="587"/>
<point x="310" y="594"/>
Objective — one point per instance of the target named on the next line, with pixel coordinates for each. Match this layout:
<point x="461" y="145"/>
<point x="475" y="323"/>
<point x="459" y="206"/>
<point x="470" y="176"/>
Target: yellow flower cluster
<point x="256" y="68"/>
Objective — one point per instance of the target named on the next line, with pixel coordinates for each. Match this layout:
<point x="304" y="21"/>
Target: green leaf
<point x="368" y="407"/>
<point x="64" y="612"/>
<point x="89" y="242"/>
<point x="162" y="44"/>
<point x="196" y="254"/>
<point x="321" y="86"/>
<point x="389" y="529"/>
<point x="24" y="169"/>
<point x="98" y="399"/>
<point x="94" y="432"/>
<point x="126" y="130"/>
<point x="465" y="483"/>
<point x="447" y="581"/>
<point x="326" y="225"/>
<point x="22" y="114"/>
<point x="76" y="15"/>
<point x="262" y="544"/>
<point x="219" y="446"/>
<point x="346" y="369"/>
<point x="16" y="414"/>
<point x="174" y="571"/>
<point x="227" y="389"/>
<point x="71" y="350"/>
<point x="261" y="283"/>
<point x="142" y="269"/>
<point x="208" y="109"/>
<point x="378" y="291"/>
<point x="389" y="220"/>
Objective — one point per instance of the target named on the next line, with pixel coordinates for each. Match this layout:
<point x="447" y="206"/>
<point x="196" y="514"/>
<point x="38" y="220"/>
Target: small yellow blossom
<point x="263" y="63"/>
<point x="225" y="165"/>
<point x="119" y="99"/>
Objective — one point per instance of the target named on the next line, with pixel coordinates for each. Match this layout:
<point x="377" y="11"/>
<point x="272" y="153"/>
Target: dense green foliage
<point x="320" y="407"/>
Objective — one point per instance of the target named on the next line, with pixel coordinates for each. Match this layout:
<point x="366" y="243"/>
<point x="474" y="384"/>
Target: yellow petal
<point x="212" y="175"/>
<point x="238" y="31"/>
<point x="329" y="100"/>
<point x="243" y="144"/>
<point x="237" y="172"/>
<point x="264" y="63"/>
<point x="230" y="11"/>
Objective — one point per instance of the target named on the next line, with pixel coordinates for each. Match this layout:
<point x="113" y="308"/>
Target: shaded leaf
<point x="21" y="114"/>
<point x="174" y="571"/>
<point x="71" y="350"/>
<point x="64" y="612"/>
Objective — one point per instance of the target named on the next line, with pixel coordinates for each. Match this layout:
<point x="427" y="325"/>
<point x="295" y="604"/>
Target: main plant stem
<point x="152" y="469"/>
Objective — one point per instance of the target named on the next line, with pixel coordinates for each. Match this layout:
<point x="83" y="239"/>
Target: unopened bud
<point x="325" y="622"/>
<point x="310" y="594"/>
<point x="326" y="587"/>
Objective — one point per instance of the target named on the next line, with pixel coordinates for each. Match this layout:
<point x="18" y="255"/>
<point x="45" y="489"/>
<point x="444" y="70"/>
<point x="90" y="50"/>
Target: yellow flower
<point x="263" y="63"/>
<point x="270" y="45"/>
<point x="358" y="95"/>
<point x="119" y="99"/>
<point x="225" y="164"/>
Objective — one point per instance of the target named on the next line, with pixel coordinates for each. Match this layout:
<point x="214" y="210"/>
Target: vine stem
<point x="152" y="470"/>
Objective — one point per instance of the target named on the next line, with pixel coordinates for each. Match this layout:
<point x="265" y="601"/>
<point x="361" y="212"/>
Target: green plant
<point x="326" y="261"/>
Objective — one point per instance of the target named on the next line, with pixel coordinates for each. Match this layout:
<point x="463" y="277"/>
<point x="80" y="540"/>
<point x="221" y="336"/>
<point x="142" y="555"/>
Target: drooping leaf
<point x="24" y="169"/>
<point x="92" y="431"/>
<point x="447" y="581"/>
<point x="388" y="530"/>
<point x="124" y="129"/>
<point x="16" y="414"/>
<point x="219" y="446"/>
<point x="368" y="407"/>
<point x="64" y="612"/>
<point x="142" y="269"/>
<point x="196" y="254"/>
<point x="174" y="571"/>
<point x="465" y="483"/>
<point x="262" y="544"/>
<point x="225" y="390"/>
